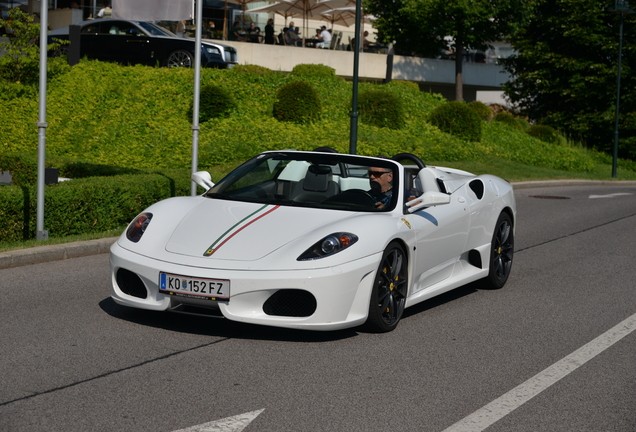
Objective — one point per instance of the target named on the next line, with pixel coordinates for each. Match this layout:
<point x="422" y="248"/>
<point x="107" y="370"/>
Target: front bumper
<point x="341" y="293"/>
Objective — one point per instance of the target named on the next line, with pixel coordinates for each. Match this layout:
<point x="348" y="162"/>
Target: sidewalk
<point x="41" y="254"/>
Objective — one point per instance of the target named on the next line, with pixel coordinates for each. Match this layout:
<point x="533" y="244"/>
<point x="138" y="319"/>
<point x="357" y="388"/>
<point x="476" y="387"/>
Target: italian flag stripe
<point x="236" y="228"/>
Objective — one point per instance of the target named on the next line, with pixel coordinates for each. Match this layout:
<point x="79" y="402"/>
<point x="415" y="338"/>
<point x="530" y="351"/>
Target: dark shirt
<point x="269" y="34"/>
<point x="383" y="197"/>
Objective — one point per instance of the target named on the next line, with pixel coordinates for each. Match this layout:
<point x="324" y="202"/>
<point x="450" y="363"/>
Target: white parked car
<point x="308" y="240"/>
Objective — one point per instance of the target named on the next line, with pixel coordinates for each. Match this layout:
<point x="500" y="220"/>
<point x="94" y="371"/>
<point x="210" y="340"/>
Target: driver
<point x="381" y="181"/>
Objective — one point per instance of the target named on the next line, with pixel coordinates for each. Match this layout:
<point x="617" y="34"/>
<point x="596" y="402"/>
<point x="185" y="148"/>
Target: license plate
<point x="200" y="288"/>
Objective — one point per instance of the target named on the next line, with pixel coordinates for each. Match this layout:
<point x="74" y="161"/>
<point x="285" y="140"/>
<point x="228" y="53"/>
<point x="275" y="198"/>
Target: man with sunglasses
<point x="381" y="181"/>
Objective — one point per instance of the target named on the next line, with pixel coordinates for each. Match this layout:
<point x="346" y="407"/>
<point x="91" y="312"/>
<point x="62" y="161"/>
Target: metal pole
<point x="195" y="104"/>
<point x="618" y="98"/>
<point x="353" y="137"/>
<point x="41" y="234"/>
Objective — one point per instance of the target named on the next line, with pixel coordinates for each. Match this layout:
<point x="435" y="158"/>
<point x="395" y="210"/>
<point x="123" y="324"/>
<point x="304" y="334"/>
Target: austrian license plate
<point x="200" y="288"/>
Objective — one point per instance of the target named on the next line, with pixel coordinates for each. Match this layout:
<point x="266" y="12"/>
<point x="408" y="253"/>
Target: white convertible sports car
<point x="310" y="240"/>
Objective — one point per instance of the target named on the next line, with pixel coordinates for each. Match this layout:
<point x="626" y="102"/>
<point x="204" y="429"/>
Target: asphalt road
<point x="554" y="350"/>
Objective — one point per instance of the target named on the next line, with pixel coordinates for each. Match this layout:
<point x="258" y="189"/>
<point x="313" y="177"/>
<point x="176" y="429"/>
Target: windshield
<point x="155" y="30"/>
<point x="311" y="179"/>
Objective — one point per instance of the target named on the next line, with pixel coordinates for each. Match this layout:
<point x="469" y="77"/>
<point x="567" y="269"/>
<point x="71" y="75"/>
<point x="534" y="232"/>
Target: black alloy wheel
<point x="180" y="58"/>
<point x="501" y="252"/>
<point x="390" y="287"/>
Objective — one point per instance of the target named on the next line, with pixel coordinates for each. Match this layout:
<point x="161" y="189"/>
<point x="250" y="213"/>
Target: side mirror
<point x="428" y="199"/>
<point x="203" y="179"/>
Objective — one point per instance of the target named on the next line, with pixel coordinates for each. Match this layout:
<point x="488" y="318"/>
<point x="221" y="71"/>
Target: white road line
<point x="229" y="424"/>
<point x="504" y="405"/>
<point x="610" y="195"/>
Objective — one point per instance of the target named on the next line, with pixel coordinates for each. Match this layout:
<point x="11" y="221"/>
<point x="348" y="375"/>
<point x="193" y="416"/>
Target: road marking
<point x="504" y="405"/>
<point x="610" y="195"/>
<point x="229" y="424"/>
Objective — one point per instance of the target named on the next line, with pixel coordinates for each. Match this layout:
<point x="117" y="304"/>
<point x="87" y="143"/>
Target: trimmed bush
<point x="313" y="71"/>
<point x="508" y="119"/>
<point x="87" y="205"/>
<point x="214" y="102"/>
<point x="457" y="119"/>
<point x="481" y="109"/>
<point x="251" y="70"/>
<point x="380" y="108"/>
<point x="544" y="133"/>
<point x="297" y="102"/>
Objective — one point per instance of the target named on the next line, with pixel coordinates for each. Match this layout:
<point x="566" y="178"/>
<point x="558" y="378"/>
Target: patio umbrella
<point x="285" y="10"/>
<point x="306" y="8"/>
<point x="334" y="16"/>
<point x="243" y="4"/>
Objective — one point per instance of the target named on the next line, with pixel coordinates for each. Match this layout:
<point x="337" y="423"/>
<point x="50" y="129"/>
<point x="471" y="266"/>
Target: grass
<point x="5" y="247"/>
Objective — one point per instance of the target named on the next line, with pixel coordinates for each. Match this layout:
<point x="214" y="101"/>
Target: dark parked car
<point x="139" y="42"/>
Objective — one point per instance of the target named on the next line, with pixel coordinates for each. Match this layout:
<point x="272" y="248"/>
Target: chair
<point x="316" y="186"/>
<point x="335" y="40"/>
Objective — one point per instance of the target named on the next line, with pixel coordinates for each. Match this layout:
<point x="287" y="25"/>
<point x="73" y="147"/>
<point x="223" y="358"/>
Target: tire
<point x="388" y="296"/>
<point x="180" y="58"/>
<point x="501" y="252"/>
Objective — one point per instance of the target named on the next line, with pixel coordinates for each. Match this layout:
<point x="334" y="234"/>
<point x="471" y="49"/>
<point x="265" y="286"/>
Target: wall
<point x="429" y="73"/>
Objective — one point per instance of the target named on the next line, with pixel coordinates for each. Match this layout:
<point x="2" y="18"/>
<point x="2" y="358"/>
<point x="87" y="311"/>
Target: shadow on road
<point x="220" y="327"/>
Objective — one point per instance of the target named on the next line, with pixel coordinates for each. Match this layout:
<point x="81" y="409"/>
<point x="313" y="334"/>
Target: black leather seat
<point x="316" y="186"/>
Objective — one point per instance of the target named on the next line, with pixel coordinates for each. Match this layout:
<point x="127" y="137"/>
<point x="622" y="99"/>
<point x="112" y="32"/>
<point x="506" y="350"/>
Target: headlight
<point x="212" y="50"/>
<point x="329" y="245"/>
<point x="137" y="228"/>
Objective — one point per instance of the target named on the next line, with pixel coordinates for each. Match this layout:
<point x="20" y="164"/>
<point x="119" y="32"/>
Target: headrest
<point x="320" y="169"/>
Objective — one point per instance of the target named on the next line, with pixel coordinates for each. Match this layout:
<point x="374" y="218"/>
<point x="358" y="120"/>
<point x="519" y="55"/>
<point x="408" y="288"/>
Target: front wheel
<point x="180" y="58"/>
<point x="501" y="252"/>
<point x="388" y="296"/>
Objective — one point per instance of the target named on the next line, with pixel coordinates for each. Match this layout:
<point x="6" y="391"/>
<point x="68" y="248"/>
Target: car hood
<point x="239" y="231"/>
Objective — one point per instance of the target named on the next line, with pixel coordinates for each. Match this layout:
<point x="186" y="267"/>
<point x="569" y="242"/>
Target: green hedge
<point x="86" y="205"/>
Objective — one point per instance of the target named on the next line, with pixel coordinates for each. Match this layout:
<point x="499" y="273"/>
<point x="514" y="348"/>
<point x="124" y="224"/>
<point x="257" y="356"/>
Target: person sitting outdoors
<point x="325" y="37"/>
<point x="105" y="12"/>
<point x="236" y="33"/>
<point x="254" y="33"/>
<point x="291" y="36"/>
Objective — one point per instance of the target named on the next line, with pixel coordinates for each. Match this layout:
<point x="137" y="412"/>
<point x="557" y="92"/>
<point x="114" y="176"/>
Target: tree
<point x="423" y="27"/>
<point x="20" y="62"/>
<point x="564" y="73"/>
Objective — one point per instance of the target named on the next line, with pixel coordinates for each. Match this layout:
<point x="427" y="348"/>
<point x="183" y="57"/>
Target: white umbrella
<point x="306" y="8"/>
<point x="333" y="16"/>
<point x="243" y="4"/>
<point x="284" y="9"/>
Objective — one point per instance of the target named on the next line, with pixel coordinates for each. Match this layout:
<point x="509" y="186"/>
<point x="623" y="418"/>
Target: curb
<point x="42" y="254"/>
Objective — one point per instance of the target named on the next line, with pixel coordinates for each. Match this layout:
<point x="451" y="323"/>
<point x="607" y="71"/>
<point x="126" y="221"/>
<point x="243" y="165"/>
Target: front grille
<point x="131" y="284"/>
<point x="231" y="55"/>
<point x="291" y="303"/>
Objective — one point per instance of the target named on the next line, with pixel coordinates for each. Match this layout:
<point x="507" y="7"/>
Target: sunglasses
<point x="377" y="173"/>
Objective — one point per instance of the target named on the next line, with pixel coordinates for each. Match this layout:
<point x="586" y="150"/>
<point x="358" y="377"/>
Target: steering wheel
<point x="408" y="156"/>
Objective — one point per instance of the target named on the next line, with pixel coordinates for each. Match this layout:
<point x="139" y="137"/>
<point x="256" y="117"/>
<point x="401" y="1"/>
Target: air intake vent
<point x="291" y="303"/>
<point x="131" y="284"/>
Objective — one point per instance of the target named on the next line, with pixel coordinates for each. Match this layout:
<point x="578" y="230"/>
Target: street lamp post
<point x="620" y="7"/>
<point x="353" y="130"/>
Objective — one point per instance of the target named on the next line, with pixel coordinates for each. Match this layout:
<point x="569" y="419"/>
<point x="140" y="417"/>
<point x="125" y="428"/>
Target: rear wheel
<point x="388" y="296"/>
<point x="180" y="58"/>
<point x="501" y="252"/>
